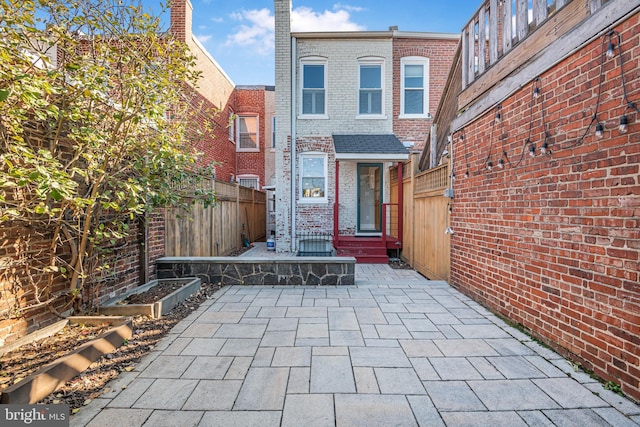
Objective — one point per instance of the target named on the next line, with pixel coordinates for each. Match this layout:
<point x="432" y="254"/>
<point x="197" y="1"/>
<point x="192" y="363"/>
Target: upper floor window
<point x="414" y="95"/>
<point x="314" y="86"/>
<point x="370" y="93"/>
<point x="247" y="133"/>
<point x="313" y="178"/>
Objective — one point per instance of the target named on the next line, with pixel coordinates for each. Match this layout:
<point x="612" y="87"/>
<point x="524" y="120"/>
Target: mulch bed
<point x="91" y="383"/>
<point x="18" y="364"/>
<point x="157" y="292"/>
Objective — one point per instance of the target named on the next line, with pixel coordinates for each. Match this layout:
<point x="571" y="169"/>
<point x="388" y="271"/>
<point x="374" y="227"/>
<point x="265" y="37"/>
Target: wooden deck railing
<point x="498" y="26"/>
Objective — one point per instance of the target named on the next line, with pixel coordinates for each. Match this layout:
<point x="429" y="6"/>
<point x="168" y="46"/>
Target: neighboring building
<point x="255" y="109"/>
<point x="353" y="102"/>
<point x="239" y="117"/>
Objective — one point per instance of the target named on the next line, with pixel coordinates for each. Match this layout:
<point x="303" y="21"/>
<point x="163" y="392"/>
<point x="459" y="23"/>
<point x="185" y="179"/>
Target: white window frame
<point x="314" y="61"/>
<point x="232" y="127"/>
<point x="238" y="139"/>
<point x="248" y="176"/>
<point x="415" y="60"/>
<point x="312" y="200"/>
<point x="372" y="61"/>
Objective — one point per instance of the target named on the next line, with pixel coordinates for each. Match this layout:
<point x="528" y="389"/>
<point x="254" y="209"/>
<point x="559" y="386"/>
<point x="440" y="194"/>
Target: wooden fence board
<point x="217" y="230"/>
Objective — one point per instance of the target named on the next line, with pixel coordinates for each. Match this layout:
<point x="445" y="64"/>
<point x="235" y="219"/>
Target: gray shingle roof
<point x="373" y="144"/>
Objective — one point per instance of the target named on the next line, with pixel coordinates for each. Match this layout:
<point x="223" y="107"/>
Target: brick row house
<point x="351" y="106"/>
<point x="241" y="138"/>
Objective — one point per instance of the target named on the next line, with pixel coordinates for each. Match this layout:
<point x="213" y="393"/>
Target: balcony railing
<point x="500" y="25"/>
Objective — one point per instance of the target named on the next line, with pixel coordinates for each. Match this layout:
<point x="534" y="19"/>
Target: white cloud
<point x="257" y="26"/>
<point x="204" y="38"/>
<point x="347" y="7"/>
<point x="306" y="19"/>
<point x="257" y="33"/>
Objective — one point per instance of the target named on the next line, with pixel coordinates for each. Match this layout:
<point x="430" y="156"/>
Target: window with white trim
<point x="313" y="178"/>
<point x="370" y="93"/>
<point x="250" y="181"/>
<point x="414" y="95"/>
<point x="313" y="76"/>
<point x="232" y="127"/>
<point x="247" y="133"/>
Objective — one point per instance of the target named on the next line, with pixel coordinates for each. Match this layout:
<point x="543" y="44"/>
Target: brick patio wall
<point x="552" y="242"/>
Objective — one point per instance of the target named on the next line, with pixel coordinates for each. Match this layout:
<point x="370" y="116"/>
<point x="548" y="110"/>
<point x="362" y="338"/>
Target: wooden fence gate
<point x="426" y="246"/>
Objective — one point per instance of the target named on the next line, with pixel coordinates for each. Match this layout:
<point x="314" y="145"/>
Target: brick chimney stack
<point x="181" y="18"/>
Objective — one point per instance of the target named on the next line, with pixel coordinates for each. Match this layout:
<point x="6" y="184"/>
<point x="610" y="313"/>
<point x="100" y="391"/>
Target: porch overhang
<point x="372" y="157"/>
<point x="375" y="147"/>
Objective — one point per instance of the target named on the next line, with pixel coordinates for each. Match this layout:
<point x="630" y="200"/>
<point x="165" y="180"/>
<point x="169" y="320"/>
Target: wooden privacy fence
<point x="217" y="230"/>
<point x="426" y="246"/>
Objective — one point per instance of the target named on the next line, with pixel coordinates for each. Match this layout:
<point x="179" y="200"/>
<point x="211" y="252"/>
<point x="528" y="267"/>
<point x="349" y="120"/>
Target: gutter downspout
<point x="293" y="144"/>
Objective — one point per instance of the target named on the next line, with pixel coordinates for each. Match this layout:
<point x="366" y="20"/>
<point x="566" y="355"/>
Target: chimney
<point x="181" y="19"/>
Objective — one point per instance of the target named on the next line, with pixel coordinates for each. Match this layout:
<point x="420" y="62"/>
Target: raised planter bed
<point x="48" y="378"/>
<point x="117" y="307"/>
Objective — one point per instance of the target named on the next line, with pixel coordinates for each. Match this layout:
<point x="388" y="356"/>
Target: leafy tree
<point x="96" y="129"/>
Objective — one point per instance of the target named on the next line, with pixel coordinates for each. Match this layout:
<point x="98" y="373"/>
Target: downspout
<point x="400" y="201"/>
<point x="293" y="144"/>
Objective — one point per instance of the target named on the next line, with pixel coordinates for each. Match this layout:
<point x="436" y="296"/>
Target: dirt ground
<point x="79" y="391"/>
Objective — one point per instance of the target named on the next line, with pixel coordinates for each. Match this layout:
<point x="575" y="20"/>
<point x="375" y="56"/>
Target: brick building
<point x="359" y="100"/>
<point x="546" y="209"/>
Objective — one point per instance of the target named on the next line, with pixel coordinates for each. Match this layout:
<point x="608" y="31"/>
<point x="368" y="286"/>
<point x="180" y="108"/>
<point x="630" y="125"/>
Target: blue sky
<point x="239" y="34"/>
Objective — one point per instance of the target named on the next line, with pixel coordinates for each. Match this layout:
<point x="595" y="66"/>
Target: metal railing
<point x="391" y="226"/>
<point x="315" y="243"/>
<point x="500" y="25"/>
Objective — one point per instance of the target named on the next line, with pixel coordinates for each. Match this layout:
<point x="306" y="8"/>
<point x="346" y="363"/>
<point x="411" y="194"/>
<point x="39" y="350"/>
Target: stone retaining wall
<point x="310" y="271"/>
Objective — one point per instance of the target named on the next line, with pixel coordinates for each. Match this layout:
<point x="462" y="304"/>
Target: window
<point x="370" y="95"/>
<point x="250" y="181"/>
<point x="314" y="83"/>
<point x="232" y="128"/>
<point x="273" y="132"/>
<point x="414" y="96"/>
<point x="313" y="178"/>
<point x="247" y="133"/>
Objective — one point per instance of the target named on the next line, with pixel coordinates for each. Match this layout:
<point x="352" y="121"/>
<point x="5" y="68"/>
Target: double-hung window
<point x="414" y="95"/>
<point x="247" y="133"/>
<point x="370" y="94"/>
<point x="313" y="178"/>
<point x="314" y="87"/>
<point x="250" y="181"/>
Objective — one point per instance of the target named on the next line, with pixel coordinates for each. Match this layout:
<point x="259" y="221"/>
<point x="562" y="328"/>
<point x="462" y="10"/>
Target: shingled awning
<point x="386" y="147"/>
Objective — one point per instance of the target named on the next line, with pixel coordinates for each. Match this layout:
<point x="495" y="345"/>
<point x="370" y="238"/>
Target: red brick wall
<point x="553" y="242"/>
<point x="440" y="54"/>
<point x="251" y="102"/>
<point x="316" y="217"/>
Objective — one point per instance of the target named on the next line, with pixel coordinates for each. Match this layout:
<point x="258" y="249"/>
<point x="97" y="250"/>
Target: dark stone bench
<point x="309" y="271"/>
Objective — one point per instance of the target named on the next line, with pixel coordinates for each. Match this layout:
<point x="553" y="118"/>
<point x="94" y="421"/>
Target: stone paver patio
<point x="396" y="349"/>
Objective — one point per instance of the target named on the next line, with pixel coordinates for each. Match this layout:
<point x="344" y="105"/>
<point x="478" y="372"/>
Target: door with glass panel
<point x="369" y="197"/>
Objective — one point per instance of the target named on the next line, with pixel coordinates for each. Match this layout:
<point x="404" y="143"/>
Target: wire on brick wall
<point x="624" y="120"/>
<point x="608" y="53"/>
<point x="497" y="119"/>
<point x="536" y="93"/>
